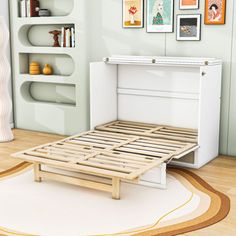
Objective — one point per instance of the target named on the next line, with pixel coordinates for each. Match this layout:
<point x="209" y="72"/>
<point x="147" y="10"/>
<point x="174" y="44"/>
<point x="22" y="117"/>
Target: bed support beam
<point x="113" y="188"/>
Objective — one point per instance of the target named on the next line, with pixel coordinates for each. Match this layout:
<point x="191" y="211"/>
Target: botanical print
<point x="188" y="27"/>
<point x="189" y="4"/>
<point x="132" y="13"/>
<point x="160" y="15"/>
<point x="215" y="11"/>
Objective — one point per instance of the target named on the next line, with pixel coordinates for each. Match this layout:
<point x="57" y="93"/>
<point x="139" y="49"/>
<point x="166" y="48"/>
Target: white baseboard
<point x="12" y="125"/>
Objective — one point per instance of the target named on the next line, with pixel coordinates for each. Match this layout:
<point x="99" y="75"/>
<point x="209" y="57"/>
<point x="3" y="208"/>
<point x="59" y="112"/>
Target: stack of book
<point x="29" y="8"/>
<point x="68" y="37"/>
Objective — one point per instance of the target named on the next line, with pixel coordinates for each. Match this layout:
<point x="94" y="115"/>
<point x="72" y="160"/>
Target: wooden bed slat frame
<point x="109" y="153"/>
<point x="153" y="131"/>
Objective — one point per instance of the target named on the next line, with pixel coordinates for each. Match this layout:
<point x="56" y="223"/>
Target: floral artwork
<point x="132" y="13"/>
<point x="189" y="27"/>
<point x="215" y="12"/>
<point x="188" y="4"/>
<point x="160" y="15"/>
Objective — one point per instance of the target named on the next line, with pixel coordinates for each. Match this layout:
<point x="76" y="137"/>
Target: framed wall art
<point x="133" y="11"/>
<point x="160" y="16"/>
<point x="189" y="27"/>
<point x="188" y="4"/>
<point x="215" y="12"/>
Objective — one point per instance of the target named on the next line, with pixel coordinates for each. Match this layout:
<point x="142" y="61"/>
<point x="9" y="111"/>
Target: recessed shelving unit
<point x="56" y="103"/>
<point x="56" y="93"/>
<point x="29" y="34"/>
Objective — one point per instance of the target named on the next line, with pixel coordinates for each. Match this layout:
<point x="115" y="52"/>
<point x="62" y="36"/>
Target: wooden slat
<point x="153" y="149"/>
<point x="162" y="146"/>
<point x="132" y="126"/>
<point x="148" y="153"/>
<point x="115" y="163"/>
<point x="194" y="133"/>
<point x="176" y="134"/>
<point x="124" y="158"/>
<point x="95" y="137"/>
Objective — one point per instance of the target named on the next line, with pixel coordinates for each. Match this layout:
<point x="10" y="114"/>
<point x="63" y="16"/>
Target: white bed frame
<point x="181" y="92"/>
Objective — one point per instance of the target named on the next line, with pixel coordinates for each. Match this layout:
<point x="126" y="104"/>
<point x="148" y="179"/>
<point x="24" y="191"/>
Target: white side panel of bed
<point x="103" y="93"/>
<point x="209" y="115"/>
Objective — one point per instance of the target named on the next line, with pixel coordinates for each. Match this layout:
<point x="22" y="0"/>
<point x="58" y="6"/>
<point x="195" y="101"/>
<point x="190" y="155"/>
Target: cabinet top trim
<point x="155" y="60"/>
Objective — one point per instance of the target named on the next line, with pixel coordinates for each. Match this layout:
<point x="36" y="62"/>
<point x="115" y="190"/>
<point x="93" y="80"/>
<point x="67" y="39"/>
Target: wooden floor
<point x="220" y="173"/>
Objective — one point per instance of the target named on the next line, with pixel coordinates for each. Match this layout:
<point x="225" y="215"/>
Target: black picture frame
<point x="199" y="29"/>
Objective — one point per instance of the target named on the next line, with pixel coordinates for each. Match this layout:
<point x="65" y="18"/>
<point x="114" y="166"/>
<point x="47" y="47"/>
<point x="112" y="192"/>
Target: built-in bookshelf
<point x="56" y="103"/>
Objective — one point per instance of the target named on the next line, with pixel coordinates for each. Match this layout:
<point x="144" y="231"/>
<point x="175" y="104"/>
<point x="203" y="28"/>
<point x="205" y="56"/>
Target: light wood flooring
<point x="220" y="173"/>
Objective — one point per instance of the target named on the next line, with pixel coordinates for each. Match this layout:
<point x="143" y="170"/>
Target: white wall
<point x="4" y="12"/>
<point x="107" y="37"/>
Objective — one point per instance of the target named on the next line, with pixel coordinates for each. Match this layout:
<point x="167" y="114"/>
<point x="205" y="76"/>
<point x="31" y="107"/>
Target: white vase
<point x="5" y="101"/>
<point x="132" y="19"/>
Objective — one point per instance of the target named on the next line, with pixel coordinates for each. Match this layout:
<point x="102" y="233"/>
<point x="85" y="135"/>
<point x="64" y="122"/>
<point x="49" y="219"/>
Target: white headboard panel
<point x="159" y="94"/>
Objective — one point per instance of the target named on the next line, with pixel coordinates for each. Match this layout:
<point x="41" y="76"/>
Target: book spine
<point x="72" y="37"/>
<point x="68" y="40"/>
<point x="34" y="5"/>
<point x="62" y="36"/>
<point x="37" y="7"/>
<point x="28" y="8"/>
<point x="23" y="8"/>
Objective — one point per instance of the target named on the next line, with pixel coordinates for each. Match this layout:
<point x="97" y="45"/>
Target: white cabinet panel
<point x="159" y="110"/>
<point x="174" y="79"/>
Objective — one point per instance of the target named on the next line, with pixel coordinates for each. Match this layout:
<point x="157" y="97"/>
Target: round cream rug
<point x="51" y="208"/>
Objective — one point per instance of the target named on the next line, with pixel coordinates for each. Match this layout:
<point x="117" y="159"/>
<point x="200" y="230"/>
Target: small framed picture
<point x="133" y="13"/>
<point x="215" y="11"/>
<point x="189" y="27"/>
<point x="160" y="16"/>
<point x="188" y="4"/>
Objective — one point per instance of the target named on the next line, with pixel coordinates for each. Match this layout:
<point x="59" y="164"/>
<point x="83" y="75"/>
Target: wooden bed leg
<point x="116" y="188"/>
<point x="37" y="169"/>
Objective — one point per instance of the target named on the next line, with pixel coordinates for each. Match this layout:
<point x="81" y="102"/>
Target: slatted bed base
<point x="117" y="151"/>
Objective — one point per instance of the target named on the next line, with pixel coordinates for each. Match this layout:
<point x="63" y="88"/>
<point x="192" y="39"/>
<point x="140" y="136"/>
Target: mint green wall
<point x="106" y="37"/>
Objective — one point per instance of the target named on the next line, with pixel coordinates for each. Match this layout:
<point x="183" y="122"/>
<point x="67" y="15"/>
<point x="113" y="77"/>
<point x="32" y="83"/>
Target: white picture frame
<point x="188" y="27"/>
<point x="166" y="14"/>
<point x="192" y="4"/>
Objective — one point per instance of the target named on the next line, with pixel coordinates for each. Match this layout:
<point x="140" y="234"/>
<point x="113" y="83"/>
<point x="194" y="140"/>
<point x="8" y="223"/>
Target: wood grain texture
<point x="220" y="173"/>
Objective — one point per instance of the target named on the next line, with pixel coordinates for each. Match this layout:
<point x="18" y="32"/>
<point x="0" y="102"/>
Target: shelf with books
<point x="40" y="35"/>
<point x="31" y="8"/>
